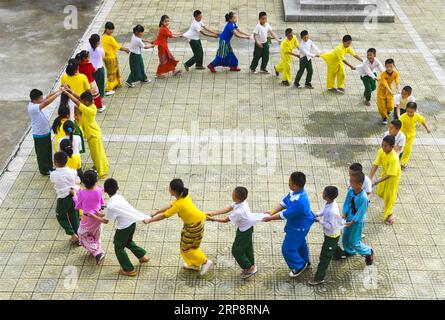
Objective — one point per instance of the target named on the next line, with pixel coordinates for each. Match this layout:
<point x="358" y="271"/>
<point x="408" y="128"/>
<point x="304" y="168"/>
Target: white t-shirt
<point x="96" y="57"/>
<point x="398" y="100"/>
<point x="120" y="210"/>
<point x="332" y="221"/>
<point x="194" y="32"/>
<point x="242" y="217"/>
<point x="308" y="49"/>
<point x="367" y="68"/>
<point x="262" y="31"/>
<point x="77" y="144"/>
<point x="40" y="119"/>
<point x="136" y="44"/>
<point x="64" y="179"/>
<point x="400" y="138"/>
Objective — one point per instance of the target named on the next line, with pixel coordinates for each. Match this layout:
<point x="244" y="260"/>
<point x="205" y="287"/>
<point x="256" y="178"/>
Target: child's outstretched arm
<point x="274" y="35"/>
<point x="158" y="212"/>
<point x="50" y="98"/>
<point x="358" y="58"/>
<point x="70" y="95"/>
<point x="211" y="33"/>
<point x="349" y="65"/>
<point x="223" y="220"/>
<point x="218" y="212"/>
<point x="372" y="172"/>
<point x="427" y="128"/>
<point x="241" y="34"/>
<point x="155" y="218"/>
<point x="277" y="209"/>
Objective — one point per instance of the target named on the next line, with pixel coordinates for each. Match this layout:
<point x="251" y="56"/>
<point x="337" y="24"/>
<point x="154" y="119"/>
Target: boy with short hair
<point x="308" y="51"/>
<point x="385" y="90"/>
<point x="295" y="208"/>
<point x="368" y="74"/>
<point x="244" y="220"/>
<point x="261" y="50"/>
<point x="41" y="128"/>
<point x="367" y="184"/>
<point x="394" y="130"/>
<point x="331" y="220"/>
<point x="409" y="121"/>
<point x="65" y="179"/>
<point x="401" y="100"/>
<point x="287" y="47"/>
<point x="335" y="60"/>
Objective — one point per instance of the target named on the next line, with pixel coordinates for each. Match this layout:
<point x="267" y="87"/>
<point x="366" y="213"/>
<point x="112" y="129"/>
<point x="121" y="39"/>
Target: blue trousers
<point x="295" y="250"/>
<point x="352" y="240"/>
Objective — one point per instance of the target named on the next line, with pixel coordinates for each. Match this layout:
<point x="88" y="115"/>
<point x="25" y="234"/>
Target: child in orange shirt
<point x="385" y="90"/>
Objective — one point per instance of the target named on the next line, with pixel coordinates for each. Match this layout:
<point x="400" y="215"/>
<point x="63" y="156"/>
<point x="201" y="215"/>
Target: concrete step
<point x="334" y="5"/>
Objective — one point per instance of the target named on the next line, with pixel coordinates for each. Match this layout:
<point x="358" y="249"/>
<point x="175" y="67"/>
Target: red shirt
<point x="87" y="69"/>
<point x="163" y="35"/>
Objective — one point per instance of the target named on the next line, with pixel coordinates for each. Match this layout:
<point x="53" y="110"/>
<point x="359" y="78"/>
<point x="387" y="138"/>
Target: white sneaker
<point x="109" y="93"/>
<point x="100" y="110"/>
<point x="205" y="267"/>
<point x="130" y="85"/>
<point x="186" y="266"/>
<point x="247" y="275"/>
<point x="146" y="81"/>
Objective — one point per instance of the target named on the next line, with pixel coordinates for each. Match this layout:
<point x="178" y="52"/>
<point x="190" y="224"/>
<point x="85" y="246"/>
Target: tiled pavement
<point x="329" y="131"/>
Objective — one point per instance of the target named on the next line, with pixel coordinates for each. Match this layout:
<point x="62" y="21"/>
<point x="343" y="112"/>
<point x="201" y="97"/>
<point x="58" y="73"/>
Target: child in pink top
<point x="90" y="200"/>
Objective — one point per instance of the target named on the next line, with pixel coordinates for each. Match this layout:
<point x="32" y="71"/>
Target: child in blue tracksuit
<point x="299" y="219"/>
<point x="354" y="209"/>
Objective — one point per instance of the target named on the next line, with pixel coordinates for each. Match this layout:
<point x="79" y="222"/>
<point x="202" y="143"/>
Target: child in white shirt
<point x="401" y="100"/>
<point x="394" y="130"/>
<point x="367" y="70"/>
<point x="308" y="51"/>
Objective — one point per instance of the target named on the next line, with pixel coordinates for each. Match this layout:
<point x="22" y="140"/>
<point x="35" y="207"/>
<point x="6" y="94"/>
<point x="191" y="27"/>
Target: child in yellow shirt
<point x="385" y="90"/>
<point x="388" y="183"/>
<point x="409" y="121"/>
<point x="335" y="61"/>
<point x="287" y="47"/>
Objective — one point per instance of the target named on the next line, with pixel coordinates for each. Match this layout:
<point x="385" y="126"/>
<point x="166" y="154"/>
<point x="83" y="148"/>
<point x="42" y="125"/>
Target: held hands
<point x="146" y="221"/>
<point x="353" y="68"/>
<point x="267" y="218"/>
<point x="153" y="214"/>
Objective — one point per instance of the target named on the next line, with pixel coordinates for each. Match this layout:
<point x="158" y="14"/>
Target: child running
<point x="167" y="62"/>
<point x="401" y="100"/>
<point x="299" y="219"/>
<point x="87" y="68"/>
<point x="137" y="69"/>
<point x="193" y="230"/>
<point x="90" y="201"/>
<point x="385" y="90"/>
<point x="394" y="130"/>
<point x="332" y="222"/>
<point x="308" y="51"/>
<point x="388" y="183"/>
<point x="111" y="46"/>
<point x="409" y="121"/>
<point x="91" y="130"/>
<point x="286" y="50"/>
<point x="244" y="220"/>
<point x="225" y="57"/>
<point x="335" y="61"/>
<point x="261" y="50"/>
<point x="97" y="55"/>
<point x="368" y="73"/>
<point x="65" y="179"/>
<point x="193" y="35"/>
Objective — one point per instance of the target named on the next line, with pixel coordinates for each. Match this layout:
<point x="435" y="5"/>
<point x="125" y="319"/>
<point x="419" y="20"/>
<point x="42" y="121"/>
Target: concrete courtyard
<point x="292" y="129"/>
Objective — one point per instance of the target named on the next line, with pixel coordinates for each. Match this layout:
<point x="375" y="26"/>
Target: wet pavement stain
<point x="339" y="155"/>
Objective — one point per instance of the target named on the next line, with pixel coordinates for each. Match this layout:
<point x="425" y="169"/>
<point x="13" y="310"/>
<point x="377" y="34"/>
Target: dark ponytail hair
<point x="64" y="99"/>
<point x="69" y="129"/>
<point x="177" y="186"/>
<point x="72" y="67"/>
<point x="229" y="16"/>
<point x="63" y="112"/>
<point x="163" y="18"/>
<point x="67" y="147"/>
<point x="82" y="55"/>
<point x="94" y="41"/>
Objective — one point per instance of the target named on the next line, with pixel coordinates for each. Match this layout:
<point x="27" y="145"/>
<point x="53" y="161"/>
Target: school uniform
<point x="409" y="129"/>
<point x="398" y="100"/>
<point x="336" y="69"/>
<point x="368" y="75"/>
<point x="284" y="67"/>
<point x="308" y="50"/>
<point x="96" y="58"/>
<point x="126" y="218"/>
<point x="111" y="62"/>
<point x="261" y="31"/>
<point x="193" y="34"/>
<point x="137" y="69"/>
<point x="400" y="140"/>
<point x="385" y="100"/>
<point x="299" y="219"/>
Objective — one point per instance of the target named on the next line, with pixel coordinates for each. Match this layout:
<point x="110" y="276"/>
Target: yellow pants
<point x="385" y="105"/>
<point x="114" y="79"/>
<point x="388" y="191"/>
<point x="98" y="155"/>
<point x="284" y="68"/>
<point x="194" y="257"/>
<point x="407" y="150"/>
<point x="335" y="71"/>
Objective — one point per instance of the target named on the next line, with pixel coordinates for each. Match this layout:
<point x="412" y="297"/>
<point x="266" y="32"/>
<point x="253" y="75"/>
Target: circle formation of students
<point x="94" y="73"/>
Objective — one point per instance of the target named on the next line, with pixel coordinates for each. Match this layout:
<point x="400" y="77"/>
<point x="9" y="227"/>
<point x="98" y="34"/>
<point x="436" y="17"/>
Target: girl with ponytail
<point x="74" y="161"/>
<point x="97" y="54"/>
<point x="70" y="133"/>
<point x="72" y="78"/>
<point x="63" y="116"/>
<point x="193" y="230"/>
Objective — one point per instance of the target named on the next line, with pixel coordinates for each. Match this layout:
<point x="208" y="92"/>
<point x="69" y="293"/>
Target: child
<point x="409" y="121"/>
<point x="91" y="130"/>
<point x="261" y="50"/>
<point x="97" y="55"/>
<point x="111" y="46"/>
<point x="69" y="128"/>
<point x="76" y="81"/>
<point x="193" y="230"/>
<point x="332" y="223"/>
<point x="368" y="74"/>
<point x="126" y="217"/>
<point x="74" y="161"/>
<point x="86" y="68"/>
<point x="401" y="100"/>
<point x="64" y="180"/>
<point x="335" y="60"/>
<point x="385" y="90"/>
<point x="137" y="69"/>
<point x="57" y="127"/>
<point x="41" y="128"/>
<point x="242" y="217"/>
<point x="225" y="57"/>
<point x="388" y="183"/>
<point x="308" y="51"/>
<point x="90" y="201"/>
<point x="354" y="209"/>
<point x="74" y="116"/>
<point x="167" y="62"/>
<point x="299" y="219"/>
<point x="367" y="183"/>
<point x="193" y="34"/>
<point x="394" y="130"/>
<point x="287" y="47"/>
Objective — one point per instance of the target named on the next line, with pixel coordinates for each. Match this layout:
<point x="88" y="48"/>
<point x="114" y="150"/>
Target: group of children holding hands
<point x="81" y="212"/>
